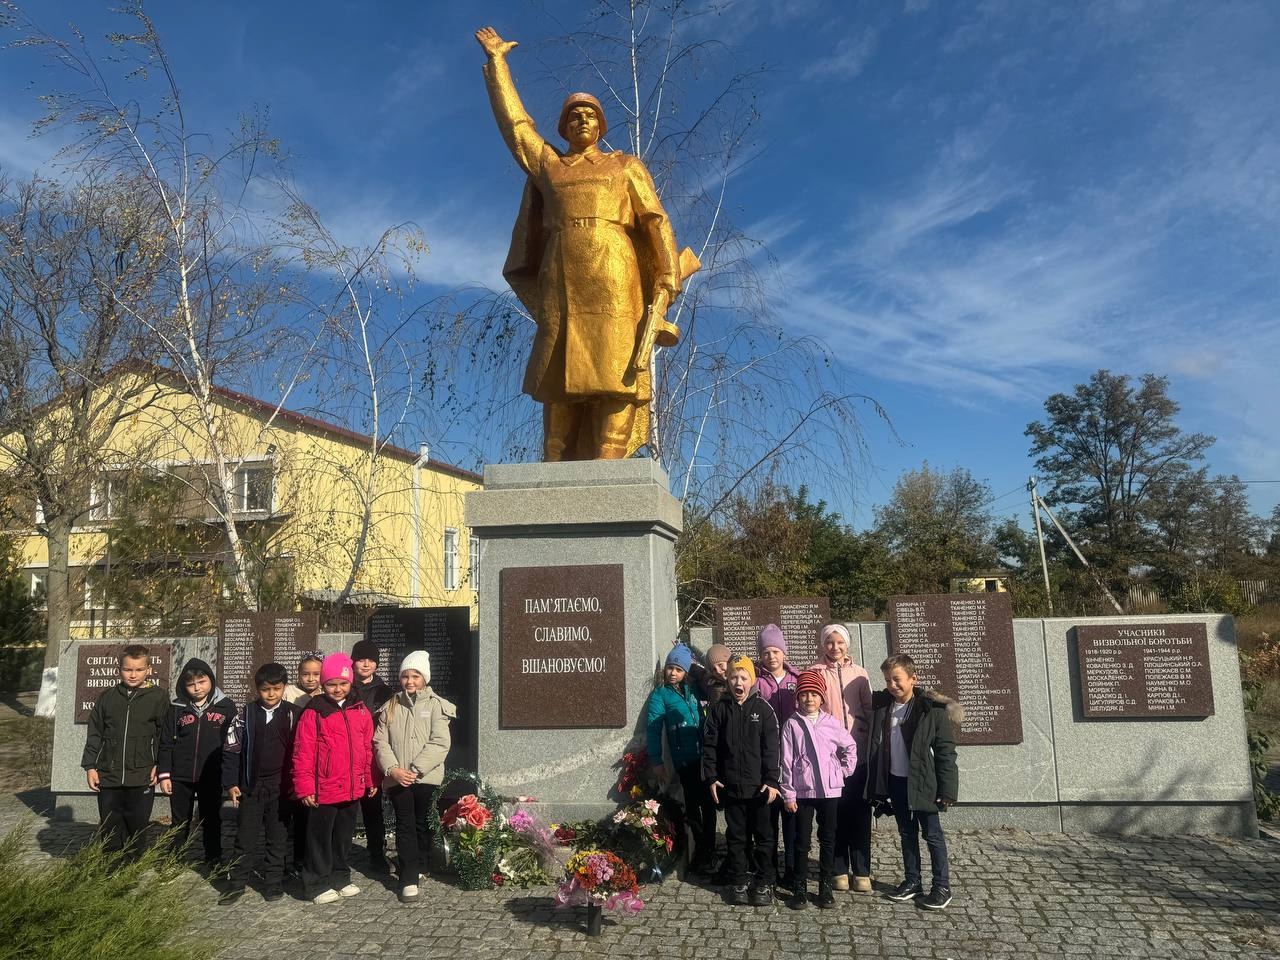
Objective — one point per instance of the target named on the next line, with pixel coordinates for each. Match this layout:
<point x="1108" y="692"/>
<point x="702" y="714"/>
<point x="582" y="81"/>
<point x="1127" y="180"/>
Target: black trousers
<point x="746" y="837"/>
<point x="412" y="805"/>
<point x="698" y="812"/>
<point x="783" y="827"/>
<point x="124" y="813"/>
<point x="375" y="829"/>
<point x="201" y="801"/>
<point x="297" y="820"/>
<point x="330" y="827"/>
<point x="263" y="815"/>
<point x="853" y="826"/>
<point x="826" y="812"/>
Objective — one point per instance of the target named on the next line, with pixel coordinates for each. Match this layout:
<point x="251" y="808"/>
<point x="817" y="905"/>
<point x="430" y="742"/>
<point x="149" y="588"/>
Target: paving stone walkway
<point x="1018" y="895"/>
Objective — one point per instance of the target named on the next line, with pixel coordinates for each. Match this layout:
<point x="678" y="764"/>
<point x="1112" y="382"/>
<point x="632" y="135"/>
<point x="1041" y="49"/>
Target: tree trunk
<point x="58" y="588"/>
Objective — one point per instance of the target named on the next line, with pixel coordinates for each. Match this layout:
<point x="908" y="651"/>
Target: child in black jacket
<point x="740" y="763"/>
<point x="119" y="758"/>
<point x="189" y="768"/>
<point x="913" y="765"/>
<point x="256" y="760"/>
<point x="371" y="690"/>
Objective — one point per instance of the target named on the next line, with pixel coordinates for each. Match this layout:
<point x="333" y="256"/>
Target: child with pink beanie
<point x="332" y="770"/>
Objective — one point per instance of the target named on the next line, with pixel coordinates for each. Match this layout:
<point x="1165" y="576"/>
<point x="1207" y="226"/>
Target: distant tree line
<point x="1127" y="483"/>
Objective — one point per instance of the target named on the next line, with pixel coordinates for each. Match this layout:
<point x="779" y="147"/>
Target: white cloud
<point x="850" y="58"/>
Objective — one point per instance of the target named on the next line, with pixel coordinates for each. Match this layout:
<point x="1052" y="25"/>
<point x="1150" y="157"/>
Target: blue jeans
<point x="911" y="823"/>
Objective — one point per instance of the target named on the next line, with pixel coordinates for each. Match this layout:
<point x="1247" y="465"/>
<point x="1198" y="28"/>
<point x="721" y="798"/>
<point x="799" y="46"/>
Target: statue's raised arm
<point x="516" y="125"/>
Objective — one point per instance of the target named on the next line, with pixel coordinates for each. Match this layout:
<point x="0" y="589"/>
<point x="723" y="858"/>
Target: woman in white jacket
<point x="411" y="742"/>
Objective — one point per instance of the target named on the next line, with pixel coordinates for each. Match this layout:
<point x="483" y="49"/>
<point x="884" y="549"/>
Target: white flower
<point x="620" y="816"/>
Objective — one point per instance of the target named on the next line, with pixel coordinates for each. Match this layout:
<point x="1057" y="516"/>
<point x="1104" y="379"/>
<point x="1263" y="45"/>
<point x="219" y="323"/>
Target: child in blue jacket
<point x="673" y="708"/>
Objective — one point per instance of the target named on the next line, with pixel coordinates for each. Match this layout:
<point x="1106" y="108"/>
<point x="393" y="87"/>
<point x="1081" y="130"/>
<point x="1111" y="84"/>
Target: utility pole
<point x="1044" y="564"/>
<point x="1041" y="505"/>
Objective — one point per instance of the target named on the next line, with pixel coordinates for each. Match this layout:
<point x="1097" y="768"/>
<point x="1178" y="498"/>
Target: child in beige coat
<point x="411" y="742"/>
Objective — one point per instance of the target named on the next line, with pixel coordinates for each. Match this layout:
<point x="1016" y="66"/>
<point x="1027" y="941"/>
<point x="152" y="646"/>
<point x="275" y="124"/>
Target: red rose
<point x="477" y="817"/>
<point x="497" y="879"/>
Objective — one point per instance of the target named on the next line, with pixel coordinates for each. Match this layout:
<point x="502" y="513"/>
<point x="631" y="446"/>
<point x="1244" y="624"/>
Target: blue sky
<point x="975" y="204"/>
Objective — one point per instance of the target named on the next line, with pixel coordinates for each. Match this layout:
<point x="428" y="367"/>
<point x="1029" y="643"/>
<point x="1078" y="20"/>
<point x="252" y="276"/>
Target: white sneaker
<point x="350" y="890"/>
<point x="329" y="896"/>
<point x="409" y="893"/>
<point x="422" y="878"/>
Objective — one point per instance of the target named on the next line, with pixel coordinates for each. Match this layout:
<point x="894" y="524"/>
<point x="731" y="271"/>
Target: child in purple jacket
<point x="817" y="754"/>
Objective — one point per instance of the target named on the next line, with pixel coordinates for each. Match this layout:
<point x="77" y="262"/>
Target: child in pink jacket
<point x="817" y="754"/>
<point x="847" y="697"/>
<point x="332" y="770"/>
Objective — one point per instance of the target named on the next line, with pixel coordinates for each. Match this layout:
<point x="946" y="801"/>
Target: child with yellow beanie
<point x="740" y="764"/>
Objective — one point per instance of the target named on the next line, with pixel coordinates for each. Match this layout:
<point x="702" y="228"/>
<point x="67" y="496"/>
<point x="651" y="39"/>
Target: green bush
<point x="97" y="906"/>
<point x="1266" y="802"/>
<point x="20" y="668"/>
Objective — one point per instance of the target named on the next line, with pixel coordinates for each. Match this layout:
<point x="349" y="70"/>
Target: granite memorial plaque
<point x="963" y="648"/>
<point x="97" y="670"/>
<point x="738" y="624"/>
<point x="1144" y="670"/>
<point x="445" y="633"/>
<point x="248" y="640"/>
<point x="562" y="647"/>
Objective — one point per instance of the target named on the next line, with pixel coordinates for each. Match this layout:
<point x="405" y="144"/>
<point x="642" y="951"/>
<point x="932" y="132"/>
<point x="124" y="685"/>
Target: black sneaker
<point x="907" y="890"/>
<point x="231" y="896"/>
<point x="273" y="893"/>
<point x="762" y="896"/>
<point x="739" y="897"/>
<point x="798" y="901"/>
<point x="826" y="899"/>
<point x="937" y="899"/>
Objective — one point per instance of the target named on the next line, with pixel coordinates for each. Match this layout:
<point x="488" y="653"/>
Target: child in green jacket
<point x="673" y="708"/>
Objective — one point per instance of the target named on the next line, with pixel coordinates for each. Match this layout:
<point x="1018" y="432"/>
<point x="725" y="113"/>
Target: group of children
<point x="776" y="749"/>
<point x="303" y="757"/>
<point x="773" y="748"/>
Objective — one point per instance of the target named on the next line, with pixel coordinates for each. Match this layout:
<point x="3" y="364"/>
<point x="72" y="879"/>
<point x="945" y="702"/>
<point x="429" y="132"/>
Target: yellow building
<point x="314" y="500"/>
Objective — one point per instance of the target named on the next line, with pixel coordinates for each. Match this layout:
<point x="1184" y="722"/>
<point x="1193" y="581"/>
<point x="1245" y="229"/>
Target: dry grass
<point x="1261" y="622"/>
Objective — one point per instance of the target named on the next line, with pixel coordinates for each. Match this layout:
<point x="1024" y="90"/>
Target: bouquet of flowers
<point x="635" y="779"/>
<point x="643" y="825"/>
<point x="598" y="878"/>
<point x="491" y="840"/>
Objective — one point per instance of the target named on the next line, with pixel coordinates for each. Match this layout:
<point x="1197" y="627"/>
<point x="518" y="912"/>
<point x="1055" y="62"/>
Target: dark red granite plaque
<point x="1144" y="670"/>
<point x="562" y="648"/>
<point x="97" y="670"/>
<point x="445" y="633"/>
<point x="248" y="640"/>
<point x="963" y="647"/>
<point x="738" y="624"/>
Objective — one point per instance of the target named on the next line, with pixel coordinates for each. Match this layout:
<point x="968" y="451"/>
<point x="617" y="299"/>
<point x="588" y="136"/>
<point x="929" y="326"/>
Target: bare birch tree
<point x="68" y="256"/>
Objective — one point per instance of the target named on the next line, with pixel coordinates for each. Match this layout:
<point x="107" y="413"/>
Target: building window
<point x="95" y="597"/>
<point x="473" y="562"/>
<point x="38" y="585"/>
<point x="451" y="559"/>
<point x="254" y="489"/>
<point x="104" y="495"/>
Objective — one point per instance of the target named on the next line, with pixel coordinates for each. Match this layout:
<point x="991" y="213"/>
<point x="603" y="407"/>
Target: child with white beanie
<point x="411" y="743"/>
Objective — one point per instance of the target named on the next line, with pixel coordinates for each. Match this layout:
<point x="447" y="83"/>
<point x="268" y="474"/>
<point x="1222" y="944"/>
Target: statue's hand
<point x="492" y="44"/>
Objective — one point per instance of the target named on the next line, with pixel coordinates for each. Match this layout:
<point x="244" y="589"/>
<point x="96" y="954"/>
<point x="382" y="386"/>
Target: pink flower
<point x="620" y="816"/>
<point x="647" y="821"/>
<point x="521" y="821"/>
<point x="651" y="805"/>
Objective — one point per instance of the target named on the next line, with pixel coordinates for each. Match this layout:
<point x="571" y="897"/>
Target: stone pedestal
<point x="555" y="515"/>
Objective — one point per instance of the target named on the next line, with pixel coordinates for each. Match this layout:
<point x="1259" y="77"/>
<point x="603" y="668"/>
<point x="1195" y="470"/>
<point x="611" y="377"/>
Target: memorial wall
<point x="1108" y="724"/>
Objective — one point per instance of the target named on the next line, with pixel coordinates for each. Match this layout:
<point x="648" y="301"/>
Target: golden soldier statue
<point x="593" y="259"/>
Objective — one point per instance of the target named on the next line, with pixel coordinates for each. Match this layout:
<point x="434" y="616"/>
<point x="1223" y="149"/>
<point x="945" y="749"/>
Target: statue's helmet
<point x="578" y="100"/>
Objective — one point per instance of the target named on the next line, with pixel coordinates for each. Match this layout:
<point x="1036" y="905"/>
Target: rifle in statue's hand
<point x="654" y="329"/>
